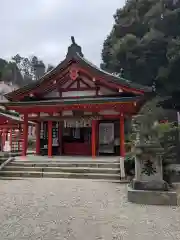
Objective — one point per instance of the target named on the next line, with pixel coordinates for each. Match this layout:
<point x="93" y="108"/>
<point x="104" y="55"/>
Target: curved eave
<point x="102" y="100"/>
<point x="10" y="113"/>
<point x="14" y="118"/>
<point x="119" y="80"/>
<point x="37" y="83"/>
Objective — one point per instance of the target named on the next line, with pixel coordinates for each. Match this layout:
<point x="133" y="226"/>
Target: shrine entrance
<point x="73" y="137"/>
<point x="76" y="137"/>
<point x="76" y="141"/>
<point x="69" y="140"/>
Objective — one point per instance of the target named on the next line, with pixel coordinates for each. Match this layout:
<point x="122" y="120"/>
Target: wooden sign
<point x="171" y="145"/>
<point x="82" y="122"/>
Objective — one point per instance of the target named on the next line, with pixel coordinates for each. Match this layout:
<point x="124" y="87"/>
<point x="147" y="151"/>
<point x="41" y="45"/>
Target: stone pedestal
<point x="152" y="197"/>
<point x="148" y="171"/>
<point x="148" y="186"/>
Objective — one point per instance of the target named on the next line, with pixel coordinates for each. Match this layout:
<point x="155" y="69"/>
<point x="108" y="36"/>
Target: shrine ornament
<point x="73" y="73"/>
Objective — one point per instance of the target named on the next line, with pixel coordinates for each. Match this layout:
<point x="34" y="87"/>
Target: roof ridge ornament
<point x="73" y="40"/>
<point x="74" y="49"/>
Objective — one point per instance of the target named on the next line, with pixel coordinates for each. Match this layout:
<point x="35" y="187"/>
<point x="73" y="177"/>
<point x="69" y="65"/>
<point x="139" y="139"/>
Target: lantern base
<point x="152" y="197"/>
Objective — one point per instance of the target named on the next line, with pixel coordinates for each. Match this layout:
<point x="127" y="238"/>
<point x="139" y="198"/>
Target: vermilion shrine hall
<point x="78" y="108"/>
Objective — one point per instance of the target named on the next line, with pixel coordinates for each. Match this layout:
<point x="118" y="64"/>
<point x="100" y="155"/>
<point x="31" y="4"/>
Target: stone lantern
<point x="148" y="186"/>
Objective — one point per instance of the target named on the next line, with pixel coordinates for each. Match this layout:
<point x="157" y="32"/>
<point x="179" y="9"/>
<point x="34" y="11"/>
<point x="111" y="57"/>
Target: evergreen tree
<point x="145" y="43"/>
<point x="22" y="70"/>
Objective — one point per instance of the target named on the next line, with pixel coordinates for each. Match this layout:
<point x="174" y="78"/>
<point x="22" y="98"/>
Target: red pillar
<point x="60" y="137"/>
<point x="6" y="134"/>
<point x="25" y="136"/>
<point x="31" y="130"/>
<point x="18" y="137"/>
<point x="49" y="138"/>
<point x="122" y="138"/>
<point x="93" y="138"/>
<point x="4" y="138"/>
<point x="38" y="138"/>
<point x="10" y="138"/>
<point x="1" y="140"/>
<point x="97" y="137"/>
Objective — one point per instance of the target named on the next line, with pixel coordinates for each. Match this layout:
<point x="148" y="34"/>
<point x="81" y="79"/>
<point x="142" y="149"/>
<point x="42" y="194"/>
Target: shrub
<point x="129" y="164"/>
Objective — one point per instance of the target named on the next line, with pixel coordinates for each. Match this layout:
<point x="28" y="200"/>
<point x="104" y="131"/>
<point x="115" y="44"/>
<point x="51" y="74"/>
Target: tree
<point x="3" y="63"/>
<point x="22" y="70"/>
<point x="145" y="43"/>
<point x="32" y="68"/>
<point x="24" y="65"/>
<point x="37" y="67"/>
<point x="10" y="72"/>
<point x="50" y="67"/>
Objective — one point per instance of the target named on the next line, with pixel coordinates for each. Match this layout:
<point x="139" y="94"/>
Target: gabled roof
<point x="74" y="55"/>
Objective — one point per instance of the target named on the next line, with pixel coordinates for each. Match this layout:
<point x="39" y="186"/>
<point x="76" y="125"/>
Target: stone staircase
<point x="108" y="169"/>
<point x="3" y="157"/>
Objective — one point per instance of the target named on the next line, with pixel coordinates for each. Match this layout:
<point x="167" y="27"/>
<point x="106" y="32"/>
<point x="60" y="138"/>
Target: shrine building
<point x="11" y="126"/>
<point x="78" y="108"/>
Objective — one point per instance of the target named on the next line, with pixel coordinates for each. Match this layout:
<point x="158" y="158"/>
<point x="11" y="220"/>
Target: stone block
<point x="152" y="197"/>
<point x="150" y="185"/>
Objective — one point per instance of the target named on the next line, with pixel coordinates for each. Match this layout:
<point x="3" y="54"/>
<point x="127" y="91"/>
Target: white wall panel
<point x="108" y="112"/>
<point x="78" y="93"/>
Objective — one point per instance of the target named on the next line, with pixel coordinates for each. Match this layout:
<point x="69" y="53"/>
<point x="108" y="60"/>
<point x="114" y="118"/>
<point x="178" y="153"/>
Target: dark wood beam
<point x="79" y="89"/>
<point x="109" y="83"/>
<point x="71" y="83"/>
<point x="87" y="85"/>
<point x="119" y="107"/>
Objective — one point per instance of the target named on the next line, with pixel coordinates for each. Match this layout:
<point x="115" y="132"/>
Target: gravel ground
<point x="80" y="209"/>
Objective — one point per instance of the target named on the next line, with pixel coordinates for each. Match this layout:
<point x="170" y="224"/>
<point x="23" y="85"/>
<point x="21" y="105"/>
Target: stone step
<point x="64" y="164"/>
<point x="122" y="181"/>
<point x="2" y="159"/>
<point x="22" y="160"/>
<point x="63" y="169"/>
<point x="13" y="154"/>
<point x="60" y="175"/>
<point x="67" y="158"/>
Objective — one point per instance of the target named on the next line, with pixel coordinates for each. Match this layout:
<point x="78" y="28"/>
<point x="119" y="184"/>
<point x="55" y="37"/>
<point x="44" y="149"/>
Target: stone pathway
<point x="51" y="209"/>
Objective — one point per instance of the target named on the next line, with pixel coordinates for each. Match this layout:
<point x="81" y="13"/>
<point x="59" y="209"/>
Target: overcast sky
<point x="43" y="27"/>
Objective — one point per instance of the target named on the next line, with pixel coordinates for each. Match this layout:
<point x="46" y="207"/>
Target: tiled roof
<point x="75" y="55"/>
